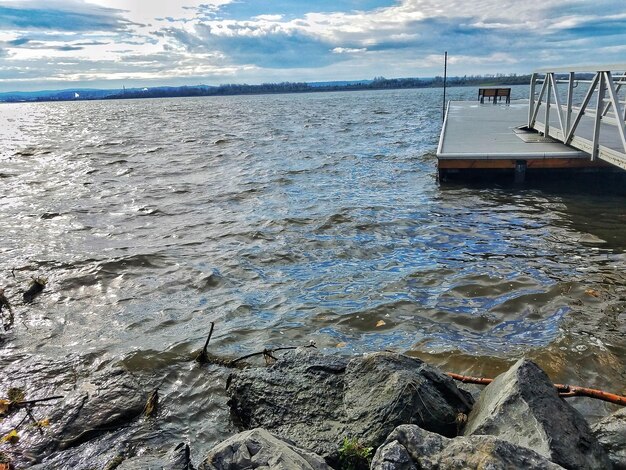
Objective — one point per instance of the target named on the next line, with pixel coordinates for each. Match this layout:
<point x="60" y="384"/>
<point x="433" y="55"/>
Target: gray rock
<point x="100" y="404"/>
<point x="611" y="433"/>
<point x="523" y="407"/>
<point x="299" y="398"/>
<point x="384" y="390"/>
<point x="317" y="400"/>
<point x="177" y="458"/>
<point x="258" y="448"/>
<point x="432" y="451"/>
<point x="392" y="456"/>
<point x="473" y="389"/>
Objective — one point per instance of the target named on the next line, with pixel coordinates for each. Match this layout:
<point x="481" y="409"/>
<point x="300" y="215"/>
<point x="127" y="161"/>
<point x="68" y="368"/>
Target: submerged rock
<point x="523" y="407"/>
<point x="100" y="404"/>
<point x="317" y="400"/>
<point x="258" y="448"/>
<point x="611" y="433"/>
<point x="426" y="451"/>
<point x="177" y="458"/>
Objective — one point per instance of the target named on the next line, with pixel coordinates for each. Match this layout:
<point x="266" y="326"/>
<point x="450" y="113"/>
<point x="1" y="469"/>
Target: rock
<point x="317" y="400"/>
<point x="523" y="407"/>
<point x="473" y="389"/>
<point x="428" y="451"/>
<point x="611" y="433"/>
<point x="100" y="404"/>
<point x="298" y="398"/>
<point x="392" y="456"/>
<point x="178" y="458"/>
<point x="384" y="390"/>
<point x="258" y="448"/>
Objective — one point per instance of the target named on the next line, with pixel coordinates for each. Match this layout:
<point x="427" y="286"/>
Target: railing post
<point x="546" y="129"/>
<point x="582" y="110"/>
<point x="557" y="102"/>
<point x="531" y="99"/>
<point x="614" y="101"/>
<point x="533" y="119"/>
<point x="596" y="127"/>
<point x="570" y="97"/>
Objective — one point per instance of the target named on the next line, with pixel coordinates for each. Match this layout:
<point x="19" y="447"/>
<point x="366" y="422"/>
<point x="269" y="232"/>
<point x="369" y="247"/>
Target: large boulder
<point x="258" y="448"/>
<point x="611" y="433"/>
<point x="409" y="447"/>
<point x="298" y="398"/>
<point x="523" y="407"/>
<point x="384" y="390"/>
<point x="317" y="400"/>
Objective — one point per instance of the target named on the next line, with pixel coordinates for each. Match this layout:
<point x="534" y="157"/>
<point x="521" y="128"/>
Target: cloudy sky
<point x="48" y="44"/>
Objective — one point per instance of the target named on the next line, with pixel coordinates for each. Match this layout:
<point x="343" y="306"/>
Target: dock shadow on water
<point x="335" y="231"/>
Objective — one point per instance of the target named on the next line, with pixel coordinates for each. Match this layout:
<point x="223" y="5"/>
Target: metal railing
<point x="593" y="122"/>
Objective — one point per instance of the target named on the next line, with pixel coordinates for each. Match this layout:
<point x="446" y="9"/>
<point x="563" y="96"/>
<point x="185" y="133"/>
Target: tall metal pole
<point x="445" y="76"/>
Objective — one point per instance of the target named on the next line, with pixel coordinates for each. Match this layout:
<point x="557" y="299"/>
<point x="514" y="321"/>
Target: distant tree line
<point x="378" y="83"/>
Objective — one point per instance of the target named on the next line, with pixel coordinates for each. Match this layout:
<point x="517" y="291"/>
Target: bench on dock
<point x="495" y="94"/>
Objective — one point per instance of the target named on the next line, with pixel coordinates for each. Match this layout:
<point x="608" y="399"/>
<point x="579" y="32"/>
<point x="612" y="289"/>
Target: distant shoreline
<point x="379" y="83"/>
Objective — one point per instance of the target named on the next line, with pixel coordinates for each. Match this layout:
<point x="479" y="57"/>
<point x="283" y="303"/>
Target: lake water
<point x="286" y="219"/>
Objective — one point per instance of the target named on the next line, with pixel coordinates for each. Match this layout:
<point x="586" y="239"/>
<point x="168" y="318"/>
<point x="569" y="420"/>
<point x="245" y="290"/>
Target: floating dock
<point x="479" y="138"/>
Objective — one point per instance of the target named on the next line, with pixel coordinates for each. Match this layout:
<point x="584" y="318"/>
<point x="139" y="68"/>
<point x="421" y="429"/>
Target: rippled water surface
<point x="285" y="219"/>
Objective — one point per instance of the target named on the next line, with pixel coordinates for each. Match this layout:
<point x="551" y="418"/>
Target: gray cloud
<point x="61" y="16"/>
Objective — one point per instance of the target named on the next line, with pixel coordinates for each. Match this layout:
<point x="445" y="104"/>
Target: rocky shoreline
<point x="415" y="416"/>
<point x="379" y="411"/>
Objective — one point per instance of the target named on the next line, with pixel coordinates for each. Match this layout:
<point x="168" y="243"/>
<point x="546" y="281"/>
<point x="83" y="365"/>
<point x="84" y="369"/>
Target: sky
<point x="52" y="44"/>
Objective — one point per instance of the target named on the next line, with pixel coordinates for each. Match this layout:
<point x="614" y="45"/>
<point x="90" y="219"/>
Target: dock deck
<point x="495" y="137"/>
<point x="490" y="132"/>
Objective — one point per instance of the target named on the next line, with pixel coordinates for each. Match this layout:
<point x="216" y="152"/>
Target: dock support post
<point x="520" y="171"/>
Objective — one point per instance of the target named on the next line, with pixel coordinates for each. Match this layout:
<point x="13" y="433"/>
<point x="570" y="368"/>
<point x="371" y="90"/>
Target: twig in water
<point x="248" y="356"/>
<point x="38" y="400"/>
<point x="203" y="356"/>
<point x="269" y="352"/>
<point x="152" y="405"/>
<point x="35" y="422"/>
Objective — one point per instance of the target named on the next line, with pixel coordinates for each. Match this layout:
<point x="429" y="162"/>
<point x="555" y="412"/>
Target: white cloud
<point x="146" y="11"/>
<point x="268" y="17"/>
<point x="347" y="50"/>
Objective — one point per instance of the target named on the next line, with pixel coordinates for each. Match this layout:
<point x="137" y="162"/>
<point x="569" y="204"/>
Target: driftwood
<point x="565" y="391"/>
